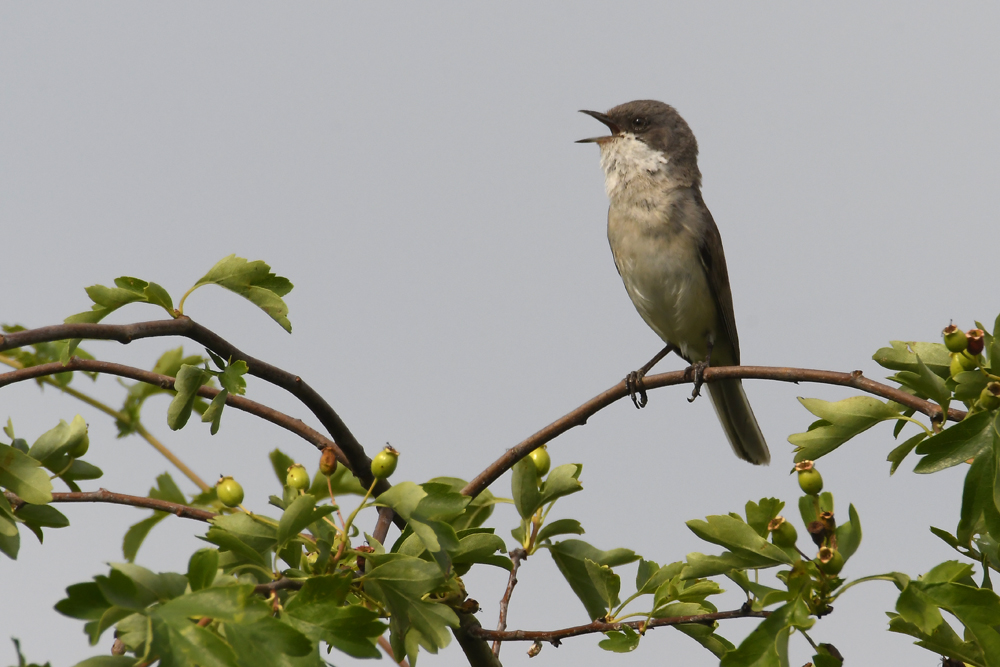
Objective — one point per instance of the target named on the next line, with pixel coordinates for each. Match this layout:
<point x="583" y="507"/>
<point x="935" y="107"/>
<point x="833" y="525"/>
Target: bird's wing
<point x="714" y="261"/>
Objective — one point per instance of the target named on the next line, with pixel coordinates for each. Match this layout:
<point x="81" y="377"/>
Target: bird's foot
<point x="636" y="389"/>
<point x="696" y="372"/>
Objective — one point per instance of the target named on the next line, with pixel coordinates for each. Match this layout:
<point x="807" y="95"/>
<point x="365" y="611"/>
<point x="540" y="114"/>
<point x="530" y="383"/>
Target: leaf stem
<point x="915" y="421"/>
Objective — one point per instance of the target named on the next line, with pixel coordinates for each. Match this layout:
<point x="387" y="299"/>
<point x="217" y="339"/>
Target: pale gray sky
<point x="412" y="170"/>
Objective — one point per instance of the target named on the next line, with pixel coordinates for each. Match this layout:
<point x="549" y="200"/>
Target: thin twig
<point x="105" y="496"/>
<point x="580" y="415"/>
<point x="356" y="458"/>
<point x="277" y="585"/>
<point x="516" y="556"/>
<point x="296" y="426"/>
<point x="140" y="430"/>
<point x="555" y="636"/>
<point x="387" y="647"/>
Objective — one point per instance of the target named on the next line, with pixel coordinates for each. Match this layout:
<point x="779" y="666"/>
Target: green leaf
<point x="83" y="601"/>
<point x="914" y="606"/>
<point x="214" y="412"/>
<point x="767" y="644"/>
<point x="258" y="535"/>
<point x="231" y="378"/>
<point x="571" y="556"/>
<point x="943" y="641"/>
<point x="479" y="547"/>
<point x="524" y="488"/>
<point x="189" y="380"/>
<point x="562" y="481"/>
<point x="36" y="517"/>
<point x="649" y="576"/>
<point x="178" y="642"/>
<point x="317" y="612"/>
<point x="897" y="455"/>
<point x="23" y="475"/>
<point x="925" y="382"/>
<point x="759" y="514"/>
<point x="954" y="445"/>
<point x="236" y="604"/>
<point x="280" y="462"/>
<point x="300" y="514"/>
<point x="705" y="635"/>
<point x="202" y="568"/>
<point x="734" y="534"/>
<point x="264" y="642"/>
<point x="9" y="546"/>
<point x="401" y="583"/>
<point x="839" y="422"/>
<point x="701" y="565"/>
<point x="605" y="582"/>
<point x="849" y="534"/>
<point x="253" y="281"/>
<point x="970" y="384"/>
<point x="624" y="641"/>
<point x="902" y="356"/>
<point x="560" y="527"/>
<point x="977" y="496"/>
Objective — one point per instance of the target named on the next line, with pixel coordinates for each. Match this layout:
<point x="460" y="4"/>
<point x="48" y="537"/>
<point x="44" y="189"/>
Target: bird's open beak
<point x="615" y="130"/>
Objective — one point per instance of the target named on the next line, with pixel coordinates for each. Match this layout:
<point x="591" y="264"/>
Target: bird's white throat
<point x="630" y="164"/>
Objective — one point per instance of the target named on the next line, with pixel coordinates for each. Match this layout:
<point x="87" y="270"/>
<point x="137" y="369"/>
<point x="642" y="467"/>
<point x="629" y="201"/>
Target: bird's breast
<point x="656" y="250"/>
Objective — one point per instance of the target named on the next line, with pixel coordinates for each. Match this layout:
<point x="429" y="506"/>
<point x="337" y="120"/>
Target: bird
<point x="668" y="252"/>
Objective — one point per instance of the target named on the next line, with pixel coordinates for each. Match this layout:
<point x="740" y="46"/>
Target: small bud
<point x="989" y="398"/>
<point x="328" y="461"/>
<point x="384" y="463"/>
<point x="535" y="649"/>
<point x="298" y="477"/>
<point x="975" y="341"/>
<point x="954" y="339"/>
<point x="829" y="561"/>
<point x="783" y="533"/>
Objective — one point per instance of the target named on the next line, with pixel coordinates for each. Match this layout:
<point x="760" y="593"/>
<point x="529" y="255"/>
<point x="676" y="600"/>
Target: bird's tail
<point x="733" y="409"/>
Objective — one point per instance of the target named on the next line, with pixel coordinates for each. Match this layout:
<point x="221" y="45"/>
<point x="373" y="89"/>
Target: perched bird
<point x="669" y="254"/>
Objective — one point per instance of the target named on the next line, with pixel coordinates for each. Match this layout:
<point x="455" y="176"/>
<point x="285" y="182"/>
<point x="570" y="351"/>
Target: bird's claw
<point x="697" y="372"/>
<point x="636" y="389"/>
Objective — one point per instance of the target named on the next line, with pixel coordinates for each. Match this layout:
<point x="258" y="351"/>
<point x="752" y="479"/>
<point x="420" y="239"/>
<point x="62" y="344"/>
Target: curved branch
<point x="105" y="496"/>
<point x="555" y="636"/>
<point x="296" y="426"/>
<point x="580" y="415"/>
<point x="359" y="462"/>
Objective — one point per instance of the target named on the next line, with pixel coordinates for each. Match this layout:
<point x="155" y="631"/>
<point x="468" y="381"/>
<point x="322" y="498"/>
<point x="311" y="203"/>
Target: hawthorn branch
<point x="359" y="463"/>
<point x="105" y="496"/>
<point x="556" y="636"/>
<point x="296" y="426"/>
<point x="516" y="556"/>
<point x="580" y="415"/>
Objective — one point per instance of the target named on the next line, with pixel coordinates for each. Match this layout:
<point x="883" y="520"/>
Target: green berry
<point x="829" y="561"/>
<point x="810" y="481"/>
<point x="384" y="463"/>
<point x="229" y="491"/>
<point x="540" y="457"/>
<point x="954" y="339"/>
<point x="297" y="477"/>
<point x="783" y="533"/>
<point x="328" y="461"/>
<point x="989" y="399"/>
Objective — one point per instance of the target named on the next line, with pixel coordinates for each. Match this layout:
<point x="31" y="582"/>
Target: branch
<point x="356" y="458"/>
<point x="105" y="496"/>
<point x="555" y="636"/>
<point x="277" y="585"/>
<point x="516" y="556"/>
<point x="296" y="426"/>
<point x="580" y="415"/>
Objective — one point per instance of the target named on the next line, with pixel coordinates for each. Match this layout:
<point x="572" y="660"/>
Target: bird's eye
<point x="639" y="123"/>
